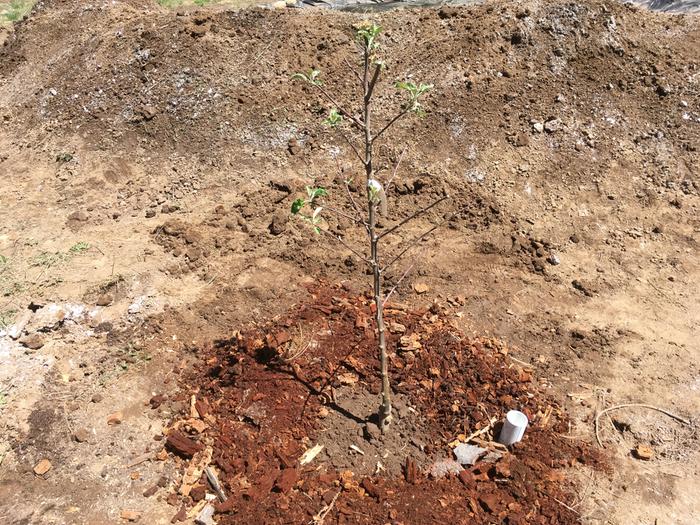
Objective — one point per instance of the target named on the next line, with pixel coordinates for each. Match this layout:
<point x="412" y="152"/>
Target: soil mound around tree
<point x="264" y="398"/>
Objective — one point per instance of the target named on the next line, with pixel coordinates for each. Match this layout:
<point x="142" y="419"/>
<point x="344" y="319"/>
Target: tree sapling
<point x="361" y="125"/>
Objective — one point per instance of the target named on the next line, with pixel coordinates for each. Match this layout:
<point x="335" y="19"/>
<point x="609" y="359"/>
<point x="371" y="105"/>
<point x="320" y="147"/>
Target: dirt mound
<point x="269" y="393"/>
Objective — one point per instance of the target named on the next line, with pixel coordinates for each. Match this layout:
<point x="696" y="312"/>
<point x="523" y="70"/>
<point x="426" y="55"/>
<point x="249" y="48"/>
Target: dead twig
<point x="482" y="431"/>
<point x="633" y="405"/>
<point x="386" y="299"/>
<point x="214" y="482"/>
<point x="413" y="216"/>
<point x="321" y="516"/>
<point x="566" y="506"/>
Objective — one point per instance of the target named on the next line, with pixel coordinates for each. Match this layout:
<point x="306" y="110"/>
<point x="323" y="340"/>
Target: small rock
<point x="150" y="213"/>
<point x="182" y="445"/>
<point x="490" y="501"/>
<point x="130" y="515"/>
<point x="397" y="328"/>
<point x="553" y="259"/>
<point x="575" y="238"/>
<point x="467" y="454"/>
<point x="663" y="90"/>
<point x="466" y="477"/>
<point x="279" y="223"/>
<point x="552" y="125"/>
<point x="420" y="288"/>
<point x="643" y="452"/>
<point x="79" y="216"/>
<point x="286" y="480"/>
<point x="444" y="467"/>
<point x="42" y="467"/>
<point x="81" y="435"/>
<point x="47" y="318"/>
<point x="104" y="300"/>
<point x="658" y="229"/>
<point x="538" y="127"/>
<point x="521" y="139"/>
<point x="33" y="341"/>
<point x="115" y="419"/>
<point x="15" y="331"/>
<point x="152" y="490"/>
<point x="96" y="398"/>
<point x="157" y="400"/>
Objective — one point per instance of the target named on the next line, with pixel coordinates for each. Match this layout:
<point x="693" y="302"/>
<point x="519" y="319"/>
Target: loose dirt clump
<point x="268" y="394"/>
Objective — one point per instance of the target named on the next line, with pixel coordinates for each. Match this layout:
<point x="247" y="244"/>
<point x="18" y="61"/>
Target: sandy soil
<point x="150" y="158"/>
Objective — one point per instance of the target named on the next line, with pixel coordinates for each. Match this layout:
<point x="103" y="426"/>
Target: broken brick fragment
<point x="181" y="445"/>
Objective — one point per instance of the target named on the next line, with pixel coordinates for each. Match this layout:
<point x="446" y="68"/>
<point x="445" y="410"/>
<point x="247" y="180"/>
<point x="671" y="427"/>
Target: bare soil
<point x="150" y="158"/>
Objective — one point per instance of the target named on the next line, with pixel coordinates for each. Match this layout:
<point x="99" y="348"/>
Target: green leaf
<point x="3" y="260"/>
<point x="79" y="247"/>
<point x="315" y="193"/>
<point x="334" y="118"/>
<point x="300" y="76"/>
<point x="311" y="77"/>
<point x="297" y="205"/>
<point x="367" y="33"/>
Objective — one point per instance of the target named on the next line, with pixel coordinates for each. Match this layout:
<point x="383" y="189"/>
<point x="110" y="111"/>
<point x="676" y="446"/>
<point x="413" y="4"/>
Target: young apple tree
<point x="359" y="126"/>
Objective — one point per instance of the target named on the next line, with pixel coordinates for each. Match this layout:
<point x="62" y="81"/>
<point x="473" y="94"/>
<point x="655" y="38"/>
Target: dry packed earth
<point x="160" y="312"/>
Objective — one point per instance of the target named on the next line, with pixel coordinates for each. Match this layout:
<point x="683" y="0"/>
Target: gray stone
<point x="552" y="125"/>
<point x="467" y="454"/>
<point x="444" y="467"/>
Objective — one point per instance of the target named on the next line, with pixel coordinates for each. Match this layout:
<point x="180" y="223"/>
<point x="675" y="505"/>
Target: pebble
<point x="115" y="419"/>
<point x="643" y="452"/>
<point x="104" y="300"/>
<point x="129" y="515"/>
<point x="538" y="127"/>
<point x="552" y="125"/>
<point x="33" y="341"/>
<point x="553" y="259"/>
<point x="279" y="223"/>
<point x="81" y="435"/>
<point x="96" y="398"/>
<point x="420" y="288"/>
<point x="80" y="216"/>
<point x="42" y="467"/>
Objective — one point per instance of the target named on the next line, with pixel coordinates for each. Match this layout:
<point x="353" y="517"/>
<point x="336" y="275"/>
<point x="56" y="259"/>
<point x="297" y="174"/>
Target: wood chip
<point x="309" y="455"/>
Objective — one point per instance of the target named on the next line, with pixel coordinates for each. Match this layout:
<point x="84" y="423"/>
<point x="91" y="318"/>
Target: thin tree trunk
<point x="385" y="407"/>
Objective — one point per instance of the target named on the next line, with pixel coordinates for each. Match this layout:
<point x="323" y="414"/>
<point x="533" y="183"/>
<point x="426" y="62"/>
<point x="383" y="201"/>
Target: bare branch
<point x="341" y="241"/>
<point x="340" y="109"/>
<point x="357" y="220"/>
<point x="347" y="139"/>
<point x="396" y="169"/>
<point x="392" y="122"/>
<point x="413" y="216"/>
<point x="414" y="241"/>
<point x="386" y="299"/>
<point x="352" y="69"/>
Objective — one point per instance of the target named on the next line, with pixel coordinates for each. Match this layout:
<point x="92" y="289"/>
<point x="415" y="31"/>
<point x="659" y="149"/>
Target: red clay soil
<point x="264" y="405"/>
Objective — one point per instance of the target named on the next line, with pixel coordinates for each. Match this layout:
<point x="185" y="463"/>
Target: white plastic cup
<point x="513" y="428"/>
